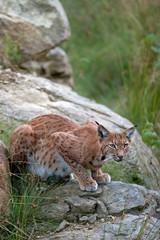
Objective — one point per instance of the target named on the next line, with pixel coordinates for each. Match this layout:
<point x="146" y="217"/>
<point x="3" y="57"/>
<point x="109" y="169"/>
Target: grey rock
<point x="101" y="208"/>
<point x="66" y="202"/>
<point x="158" y="210"/>
<point x="54" y="212"/>
<point x="62" y="226"/>
<point x="83" y="219"/>
<point x="123" y="196"/>
<point x="81" y="205"/>
<point x="36" y="96"/>
<point x="33" y="32"/>
<point x="92" y="218"/>
<point x="55" y="66"/>
<point x="125" y="228"/>
<point x="78" y="227"/>
<point x="109" y="218"/>
<point x="128" y="228"/>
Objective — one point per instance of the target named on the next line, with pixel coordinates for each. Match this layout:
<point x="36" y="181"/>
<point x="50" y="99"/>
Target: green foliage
<point x="23" y="208"/>
<point x="119" y="173"/>
<point x="115" y="53"/>
<point x="5" y="130"/>
<point x="142" y="86"/>
<point x="26" y="198"/>
<point x="150" y="136"/>
<point x="11" y="50"/>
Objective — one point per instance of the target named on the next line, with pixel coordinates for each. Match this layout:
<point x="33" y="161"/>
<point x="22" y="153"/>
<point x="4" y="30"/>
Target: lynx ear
<point x="129" y="132"/>
<point x="102" y="132"/>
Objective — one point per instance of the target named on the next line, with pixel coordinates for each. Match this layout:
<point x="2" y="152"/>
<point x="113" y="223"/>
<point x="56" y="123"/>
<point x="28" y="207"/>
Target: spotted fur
<point x="54" y="145"/>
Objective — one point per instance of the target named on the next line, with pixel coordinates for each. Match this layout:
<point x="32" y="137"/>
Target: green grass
<point x="119" y="173"/>
<point x="115" y="54"/>
<point x="25" y="200"/>
<point x="6" y="127"/>
<point x="23" y="207"/>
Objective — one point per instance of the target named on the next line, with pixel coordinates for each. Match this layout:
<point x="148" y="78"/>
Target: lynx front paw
<point x="105" y="179"/>
<point x="89" y="187"/>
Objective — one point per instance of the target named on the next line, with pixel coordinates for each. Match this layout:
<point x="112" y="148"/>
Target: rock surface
<point x="23" y="97"/>
<point x="121" y="229"/>
<point x="30" y="28"/>
<point x="129" y="209"/>
<point x="55" y="66"/>
<point x="71" y="203"/>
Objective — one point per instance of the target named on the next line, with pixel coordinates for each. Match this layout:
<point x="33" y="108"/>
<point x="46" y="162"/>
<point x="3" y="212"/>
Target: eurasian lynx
<point x="55" y="145"/>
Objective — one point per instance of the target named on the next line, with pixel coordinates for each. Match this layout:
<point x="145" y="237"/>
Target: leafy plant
<point x="11" y="50"/>
<point x="150" y="136"/>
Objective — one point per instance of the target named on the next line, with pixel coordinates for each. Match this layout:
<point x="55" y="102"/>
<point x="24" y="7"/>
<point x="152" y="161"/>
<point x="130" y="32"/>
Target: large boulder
<point x="69" y="202"/>
<point x="23" y="97"/>
<point x="118" y="211"/>
<point x="30" y="28"/>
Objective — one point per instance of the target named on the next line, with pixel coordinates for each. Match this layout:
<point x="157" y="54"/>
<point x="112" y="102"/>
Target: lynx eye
<point x="113" y="146"/>
<point x="126" y="145"/>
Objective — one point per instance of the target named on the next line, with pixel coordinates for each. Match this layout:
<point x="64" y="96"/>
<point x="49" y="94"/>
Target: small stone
<point x="92" y="218"/>
<point x="62" y="226"/>
<point x="43" y="189"/>
<point x="110" y="218"/>
<point x="158" y="210"/>
<point x="83" y="219"/>
<point x="102" y="220"/>
<point x="90" y="227"/>
<point x="38" y="87"/>
<point x="17" y="81"/>
<point x="78" y="227"/>
<point x="101" y="208"/>
<point x="150" y="209"/>
<point x="8" y="70"/>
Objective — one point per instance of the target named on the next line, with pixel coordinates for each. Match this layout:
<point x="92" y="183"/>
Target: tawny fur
<point x="54" y="145"/>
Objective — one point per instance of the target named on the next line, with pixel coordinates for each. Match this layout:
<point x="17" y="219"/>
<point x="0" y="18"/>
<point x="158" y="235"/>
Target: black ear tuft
<point x="97" y="122"/>
<point x="136" y="125"/>
<point x="129" y="132"/>
<point x="102" y="132"/>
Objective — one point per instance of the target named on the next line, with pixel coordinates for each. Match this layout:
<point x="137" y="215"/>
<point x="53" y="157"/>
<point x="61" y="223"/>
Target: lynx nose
<point x="120" y="158"/>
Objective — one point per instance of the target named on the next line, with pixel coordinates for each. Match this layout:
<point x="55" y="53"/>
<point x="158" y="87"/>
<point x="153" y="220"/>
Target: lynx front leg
<point x="101" y="178"/>
<point x="67" y="145"/>
<point x="86" y="183"/>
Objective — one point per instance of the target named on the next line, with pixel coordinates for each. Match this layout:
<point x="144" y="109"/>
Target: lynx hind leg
<point x="101" y="178"/>
<point x="21" y="142"/>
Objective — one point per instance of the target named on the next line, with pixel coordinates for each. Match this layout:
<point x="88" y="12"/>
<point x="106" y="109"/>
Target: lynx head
<point x="114" y="145"/>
